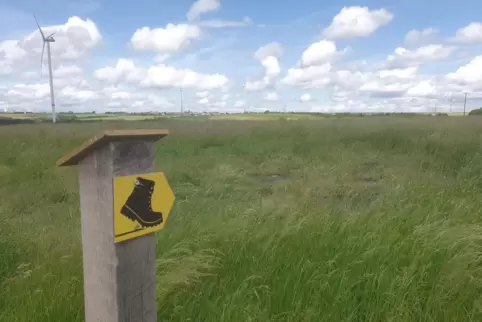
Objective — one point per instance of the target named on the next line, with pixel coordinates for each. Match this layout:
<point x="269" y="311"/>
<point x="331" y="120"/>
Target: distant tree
<point x="477" y="111"/>
<point x="10" y="121"/>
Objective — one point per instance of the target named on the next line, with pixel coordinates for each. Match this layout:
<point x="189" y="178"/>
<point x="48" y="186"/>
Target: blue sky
<point x="343" y="71"/>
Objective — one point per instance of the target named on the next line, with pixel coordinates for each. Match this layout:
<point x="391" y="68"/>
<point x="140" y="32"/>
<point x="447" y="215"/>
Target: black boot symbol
<point x="138" y="205"/>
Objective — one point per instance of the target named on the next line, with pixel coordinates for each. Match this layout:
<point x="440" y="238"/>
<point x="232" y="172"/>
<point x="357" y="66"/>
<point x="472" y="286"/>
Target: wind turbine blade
<point x="51" y="35"/>
<point x="40" y="29"/>
<point x="42" y="59"/>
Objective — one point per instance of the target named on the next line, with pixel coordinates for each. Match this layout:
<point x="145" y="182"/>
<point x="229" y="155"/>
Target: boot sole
<point x="132" y="215"/>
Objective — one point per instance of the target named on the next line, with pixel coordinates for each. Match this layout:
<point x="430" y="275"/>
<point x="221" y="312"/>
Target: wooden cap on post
<point x="76" y="155"/>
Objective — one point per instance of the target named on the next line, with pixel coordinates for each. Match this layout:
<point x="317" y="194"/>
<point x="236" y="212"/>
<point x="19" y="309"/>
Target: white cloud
<point x="150" y="81"/>
<point x="310" y="77"/>
<point x="391" y="83"/>
<point x="202" y="94"/>
<point x="161" y="58"/>
<point x="469" y="34"/>
<point x="79" y="95"/>
<point x="356" y="21"/>
<point x="173" y="38"/>
<point x="159" y="76"/>
<point x="204" y="101"/>
<point x="380" y="87"/>
<point x="403" y="57"/>
<point x="239" y="103"/>
<point x="268" y="55"/>
<point x="274" y="49"/>
<point x="67" y="71"/>
<point x="120" y="95"/>
<point x="134" y="102"/>
<point x="256" y="85"/>
<point x="6" y="64"/>
<point x="37" y="91"/>
<point x="350" y="81"/>
<point x="305" y="97"/>
<point x="37" y="96"/>
<point x="30" y="75"/>
<point x="408" y="72"/>
<point x="271" y="96"/>
<point x="272" y="68"/>
<point x="11" y="50"/>
<point x="73" y="40"/>
<point x="318" y="53"/>
<point x="201" y="7"/>
<point x="354" y="90"/>
<point x="162" y="76"/>
<point x="123" y="71"/>
<point x="423" y="89"/>
<point x="314" y="70"/>
<point x="469" y="73"/>
<point x="217" y="23"/>
<point x="420" y="36"/>
<point x="220" y="104"/>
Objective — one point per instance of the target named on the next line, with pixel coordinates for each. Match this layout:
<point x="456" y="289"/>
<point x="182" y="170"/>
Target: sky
<point x="235" y="56"/>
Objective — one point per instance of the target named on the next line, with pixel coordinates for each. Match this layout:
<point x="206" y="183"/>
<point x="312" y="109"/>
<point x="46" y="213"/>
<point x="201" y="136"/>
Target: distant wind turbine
<point x="47" y="40"/>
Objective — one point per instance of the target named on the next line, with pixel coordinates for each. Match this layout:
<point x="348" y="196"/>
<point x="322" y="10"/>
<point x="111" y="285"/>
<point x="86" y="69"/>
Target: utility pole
<point x="182" y="107"/>
<point x="465" y="102"/>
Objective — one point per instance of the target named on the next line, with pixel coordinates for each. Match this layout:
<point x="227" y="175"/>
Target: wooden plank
<point x="119" y="279"/>
<point x="98" y="250"/>
<point x="97" y="141"/>
<point x="136" y="258"/>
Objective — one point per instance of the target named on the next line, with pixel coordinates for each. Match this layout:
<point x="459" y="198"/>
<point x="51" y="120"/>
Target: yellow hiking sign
<point x="141" y="204"/>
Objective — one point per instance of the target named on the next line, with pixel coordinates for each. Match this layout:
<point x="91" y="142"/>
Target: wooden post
<point x="119" y="278"/>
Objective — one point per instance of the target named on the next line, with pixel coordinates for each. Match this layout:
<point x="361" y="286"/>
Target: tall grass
<point x="361" y="219"/>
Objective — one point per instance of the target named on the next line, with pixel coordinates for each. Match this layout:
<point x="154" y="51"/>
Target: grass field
<point x="268" y="116"/>
<point x="351" y="219"/>
<point x="20" y="116"/>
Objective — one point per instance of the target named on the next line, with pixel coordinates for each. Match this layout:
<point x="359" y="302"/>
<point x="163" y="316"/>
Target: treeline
<point x="13" y="121"/>
<point x="477" y="111"/>
<point x="379" y="114"/>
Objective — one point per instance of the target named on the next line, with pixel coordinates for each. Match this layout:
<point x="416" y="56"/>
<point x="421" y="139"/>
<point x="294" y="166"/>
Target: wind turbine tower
<point x="47" y="40"/>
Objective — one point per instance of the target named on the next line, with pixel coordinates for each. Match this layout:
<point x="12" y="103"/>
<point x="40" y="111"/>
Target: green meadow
<point x="325" y="219"/>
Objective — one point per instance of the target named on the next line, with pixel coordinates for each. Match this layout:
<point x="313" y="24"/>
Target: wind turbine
<point x="47" y="40"/>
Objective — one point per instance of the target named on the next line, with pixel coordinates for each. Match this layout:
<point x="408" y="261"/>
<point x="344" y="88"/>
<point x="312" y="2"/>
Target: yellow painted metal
<point x="138" y="212"/>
